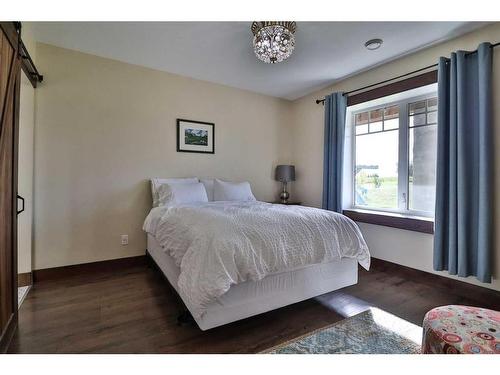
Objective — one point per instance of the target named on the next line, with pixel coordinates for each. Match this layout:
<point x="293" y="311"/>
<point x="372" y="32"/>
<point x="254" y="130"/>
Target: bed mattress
<point x="274" y="291"/>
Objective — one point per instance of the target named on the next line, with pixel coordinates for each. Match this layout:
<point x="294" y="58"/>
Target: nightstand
<point x="290" y="203"/>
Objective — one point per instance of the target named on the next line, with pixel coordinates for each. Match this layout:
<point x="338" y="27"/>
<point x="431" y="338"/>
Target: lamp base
<point x="284" y="196"/>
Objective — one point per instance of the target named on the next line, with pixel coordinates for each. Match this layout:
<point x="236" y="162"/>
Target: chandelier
<point x="273" y="41"/>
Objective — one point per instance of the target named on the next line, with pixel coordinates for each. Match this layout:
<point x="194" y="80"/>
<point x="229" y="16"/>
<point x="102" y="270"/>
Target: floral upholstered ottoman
<point x="457" y="329"/>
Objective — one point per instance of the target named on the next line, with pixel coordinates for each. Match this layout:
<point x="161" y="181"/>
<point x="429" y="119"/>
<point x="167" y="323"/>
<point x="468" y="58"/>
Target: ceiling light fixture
<point x="374" y="44"/>
<point x="273" y="41"/>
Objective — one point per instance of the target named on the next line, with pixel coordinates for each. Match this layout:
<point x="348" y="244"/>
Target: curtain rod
<point x="318" y="101"/>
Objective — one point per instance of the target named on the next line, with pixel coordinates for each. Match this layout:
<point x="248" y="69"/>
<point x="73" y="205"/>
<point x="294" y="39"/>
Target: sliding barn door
<point x="9" y="112"/>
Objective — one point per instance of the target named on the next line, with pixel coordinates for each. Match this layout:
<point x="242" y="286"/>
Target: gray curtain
<point x="464" y="181"/>
<point x="335" y="109"/>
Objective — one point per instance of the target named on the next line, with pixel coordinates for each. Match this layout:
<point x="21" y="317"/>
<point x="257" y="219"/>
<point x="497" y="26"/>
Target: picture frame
<point x="195" y="136"/>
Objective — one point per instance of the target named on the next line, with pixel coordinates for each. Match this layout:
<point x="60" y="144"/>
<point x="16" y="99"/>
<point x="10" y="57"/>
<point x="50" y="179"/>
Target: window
<point x="394" y="155"/>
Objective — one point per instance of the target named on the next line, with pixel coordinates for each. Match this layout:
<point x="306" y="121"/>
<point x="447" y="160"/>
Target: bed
<point x="233" y="260"/>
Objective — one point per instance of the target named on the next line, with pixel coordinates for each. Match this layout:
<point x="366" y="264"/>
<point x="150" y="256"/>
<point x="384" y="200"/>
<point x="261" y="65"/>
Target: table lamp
<point x="285" y="174"/>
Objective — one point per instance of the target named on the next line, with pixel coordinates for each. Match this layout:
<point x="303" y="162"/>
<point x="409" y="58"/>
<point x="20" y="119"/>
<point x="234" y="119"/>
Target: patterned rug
<point x="373" y="331"/>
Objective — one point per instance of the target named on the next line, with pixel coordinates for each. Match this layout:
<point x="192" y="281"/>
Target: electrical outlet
<point x="124" y="239"/>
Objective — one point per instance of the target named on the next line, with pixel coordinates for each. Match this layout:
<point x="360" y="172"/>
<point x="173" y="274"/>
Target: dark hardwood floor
<point x="133" y="310"/>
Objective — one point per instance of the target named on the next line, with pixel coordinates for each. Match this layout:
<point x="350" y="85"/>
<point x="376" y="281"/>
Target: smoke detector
<point x="373" y="44"/>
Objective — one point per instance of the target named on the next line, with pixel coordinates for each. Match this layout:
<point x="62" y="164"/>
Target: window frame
<point x="403" y="209"/>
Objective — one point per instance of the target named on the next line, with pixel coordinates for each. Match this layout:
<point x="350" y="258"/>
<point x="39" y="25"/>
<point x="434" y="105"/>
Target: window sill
<point x="394" y="220"/>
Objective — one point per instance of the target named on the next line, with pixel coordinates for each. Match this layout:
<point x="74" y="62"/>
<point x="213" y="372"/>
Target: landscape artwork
<point x="195" y="136"/>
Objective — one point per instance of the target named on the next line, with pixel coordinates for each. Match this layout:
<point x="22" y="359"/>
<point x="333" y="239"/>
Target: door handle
<point x="22" y="199"/>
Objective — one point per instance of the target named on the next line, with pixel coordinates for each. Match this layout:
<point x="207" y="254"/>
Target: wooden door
<point x="9" y="118"/>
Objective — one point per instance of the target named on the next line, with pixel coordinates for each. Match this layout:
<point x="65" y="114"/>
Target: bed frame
<point x="256" y="297"/>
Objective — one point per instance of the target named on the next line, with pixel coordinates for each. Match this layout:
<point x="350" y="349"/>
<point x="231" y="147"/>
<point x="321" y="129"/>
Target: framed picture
<point x="195" y="136"/>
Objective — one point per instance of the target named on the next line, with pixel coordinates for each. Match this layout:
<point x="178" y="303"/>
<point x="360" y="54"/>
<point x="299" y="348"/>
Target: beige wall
<point x="398" y="246"/>
<point x="104" y="128"/>
<point x="25" y="177"/>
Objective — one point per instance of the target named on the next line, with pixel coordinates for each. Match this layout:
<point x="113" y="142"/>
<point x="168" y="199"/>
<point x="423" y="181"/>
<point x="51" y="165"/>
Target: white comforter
<point x="218" y="244"/>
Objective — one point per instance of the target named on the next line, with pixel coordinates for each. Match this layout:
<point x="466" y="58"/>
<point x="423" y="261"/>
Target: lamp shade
<point x="285" y="173"/>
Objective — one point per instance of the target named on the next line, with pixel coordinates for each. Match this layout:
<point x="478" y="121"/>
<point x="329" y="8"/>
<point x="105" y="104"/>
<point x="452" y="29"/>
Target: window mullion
<point x="353" y="160"/>
<point x="403" y="157"/>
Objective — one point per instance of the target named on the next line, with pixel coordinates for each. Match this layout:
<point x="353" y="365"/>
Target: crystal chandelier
<point x="273" y="41"/>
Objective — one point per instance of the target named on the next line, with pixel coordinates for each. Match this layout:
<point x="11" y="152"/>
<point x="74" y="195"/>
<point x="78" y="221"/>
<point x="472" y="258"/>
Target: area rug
<point x="373" y="331"/>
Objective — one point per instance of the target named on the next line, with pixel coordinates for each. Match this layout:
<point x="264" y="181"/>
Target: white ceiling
<point x="222" y="52"/>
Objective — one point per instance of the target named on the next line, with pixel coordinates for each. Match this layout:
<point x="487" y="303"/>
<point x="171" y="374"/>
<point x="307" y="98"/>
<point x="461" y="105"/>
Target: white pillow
<point x="156" y="182"/>
<point x="181" y="193"/>
<point x="232" y="191"/>
<point x="209" y="187"/>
